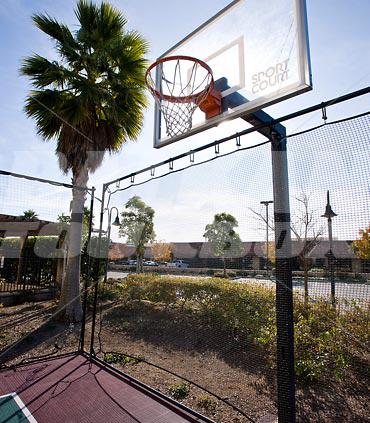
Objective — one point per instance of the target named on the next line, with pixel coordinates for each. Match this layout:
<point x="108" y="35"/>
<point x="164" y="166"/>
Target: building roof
<point x="14" y="226"/>
<point x="341" y="249"/>
<point x="202" y="250"/>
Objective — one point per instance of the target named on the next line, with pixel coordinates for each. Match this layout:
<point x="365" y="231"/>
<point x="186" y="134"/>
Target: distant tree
<point x="307" y="231"/>
<point x="162" y="251"/>
<point x="361" y="245"/>
<point x="138" y="227"/>
<point x="66" y="220"/>
<point x="29" y="215"/>
<point x="305" y="228"/>
<point x="223" y="239"/>
<point x="268" y="250"/>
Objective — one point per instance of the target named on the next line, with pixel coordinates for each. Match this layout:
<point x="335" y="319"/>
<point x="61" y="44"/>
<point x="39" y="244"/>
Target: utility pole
<point x="266" y="204"/>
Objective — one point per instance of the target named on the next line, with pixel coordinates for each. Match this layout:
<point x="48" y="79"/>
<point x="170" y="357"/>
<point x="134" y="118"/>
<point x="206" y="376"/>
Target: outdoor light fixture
<point x="266" y="204"/>
<point x="116" y="221"/>
<point x="329" y="214"/>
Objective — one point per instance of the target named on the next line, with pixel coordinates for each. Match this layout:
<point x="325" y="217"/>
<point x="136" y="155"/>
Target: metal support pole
<point x="266" y="204"/>
<point x="96" y="273"/>
<point x="87" y="277"/>
<point x="267" y="240"/>
<point x="329" y="214"/>
<point x="331" y="263"/>
<point x="284" y="288"/>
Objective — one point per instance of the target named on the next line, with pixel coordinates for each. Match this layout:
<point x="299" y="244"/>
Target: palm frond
<point x="67" y="46"/>
<point x="43" y="106"/>
<point x="44" y="73"/>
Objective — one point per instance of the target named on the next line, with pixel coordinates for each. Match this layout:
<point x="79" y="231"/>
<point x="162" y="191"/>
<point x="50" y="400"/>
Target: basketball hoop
<point x="186" y="83"/>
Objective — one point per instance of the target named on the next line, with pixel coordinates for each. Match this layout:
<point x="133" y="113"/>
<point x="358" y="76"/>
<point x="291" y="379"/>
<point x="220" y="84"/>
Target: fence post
<point x="87" y="276"/>
<point x="284" y="288"/>
<point x="96" y="267"/>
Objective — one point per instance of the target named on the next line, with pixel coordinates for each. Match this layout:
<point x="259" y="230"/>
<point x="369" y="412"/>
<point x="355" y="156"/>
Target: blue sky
<point x="339" y="34"/>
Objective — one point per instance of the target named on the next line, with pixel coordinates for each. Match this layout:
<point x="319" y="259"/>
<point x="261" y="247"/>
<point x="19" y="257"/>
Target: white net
<point x="183" y="84"/>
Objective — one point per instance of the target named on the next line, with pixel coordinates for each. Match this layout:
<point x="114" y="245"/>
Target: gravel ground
<point x="188" y="348"/>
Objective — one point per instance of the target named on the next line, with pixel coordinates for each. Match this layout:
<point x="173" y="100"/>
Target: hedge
<point x="326" y="341"/>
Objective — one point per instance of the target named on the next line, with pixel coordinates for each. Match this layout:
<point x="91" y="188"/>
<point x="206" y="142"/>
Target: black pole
<point x="284" y="287"/>
<point x="96" y="273"/>
<point x="266" y="204"/>
<point x="87" y="277"/>
<point x="329" y="214"/>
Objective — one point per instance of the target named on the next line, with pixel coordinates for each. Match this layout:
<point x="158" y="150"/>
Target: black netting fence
<point x="34" y="243"/>
<point x="188" y="305"/>
<point x="332" y="343"/>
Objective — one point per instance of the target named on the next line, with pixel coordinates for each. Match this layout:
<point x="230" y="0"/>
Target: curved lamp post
<point x="329" y="214"/>
<point x="115" y="223"/>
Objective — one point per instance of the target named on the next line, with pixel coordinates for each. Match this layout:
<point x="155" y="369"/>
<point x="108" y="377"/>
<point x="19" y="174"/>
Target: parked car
<point x="179" y="264"/>
<point x="132" y="262"/>
<point x="150" y="263"/>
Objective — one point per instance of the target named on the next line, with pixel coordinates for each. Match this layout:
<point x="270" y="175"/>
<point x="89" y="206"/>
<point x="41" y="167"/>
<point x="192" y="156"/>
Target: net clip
<point x="324" y="115"/>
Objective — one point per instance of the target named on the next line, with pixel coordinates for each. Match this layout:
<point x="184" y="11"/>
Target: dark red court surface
<point x="74" y="389"/>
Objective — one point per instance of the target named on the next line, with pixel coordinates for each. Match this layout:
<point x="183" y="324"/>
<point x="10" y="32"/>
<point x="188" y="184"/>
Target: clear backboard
<point x="258" y="52"/>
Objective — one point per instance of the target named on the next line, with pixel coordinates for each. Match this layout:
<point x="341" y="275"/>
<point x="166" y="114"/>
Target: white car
<point x="179" y="264"/>
<point x="150" y="263"/>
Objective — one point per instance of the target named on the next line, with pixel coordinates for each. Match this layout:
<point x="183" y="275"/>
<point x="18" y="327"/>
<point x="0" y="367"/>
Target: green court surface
<point x="13" y="410"/>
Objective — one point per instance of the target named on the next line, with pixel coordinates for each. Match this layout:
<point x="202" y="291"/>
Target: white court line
<point x="22" y="406"/>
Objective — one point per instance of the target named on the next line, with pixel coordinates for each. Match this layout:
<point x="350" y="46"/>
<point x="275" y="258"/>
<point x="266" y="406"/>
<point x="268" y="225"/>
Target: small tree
<point x="304" y="227"/>
<point x="162" y="251"/>
<point x="138" y="227"/>
<point x="221" y="235"/>
<point x="307" y="232"/>
<point x="361" y="245"/>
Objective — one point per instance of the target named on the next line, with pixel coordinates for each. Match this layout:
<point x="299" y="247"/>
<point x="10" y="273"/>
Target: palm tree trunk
<point x="69" y="307"/>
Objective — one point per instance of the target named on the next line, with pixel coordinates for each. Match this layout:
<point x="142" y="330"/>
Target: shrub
<point x="207" y="403"/>
<point x="179" y="391"/>
<point x="318" y="342"/>
<point x="115" y="358"/>
<point x="107" y="292"/>
<point x="325" y="337"/>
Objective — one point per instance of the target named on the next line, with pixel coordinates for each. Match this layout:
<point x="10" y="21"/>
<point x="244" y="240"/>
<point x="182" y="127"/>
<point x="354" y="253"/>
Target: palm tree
<point x="29" y="215"/>
<point x="90" y="101"/>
